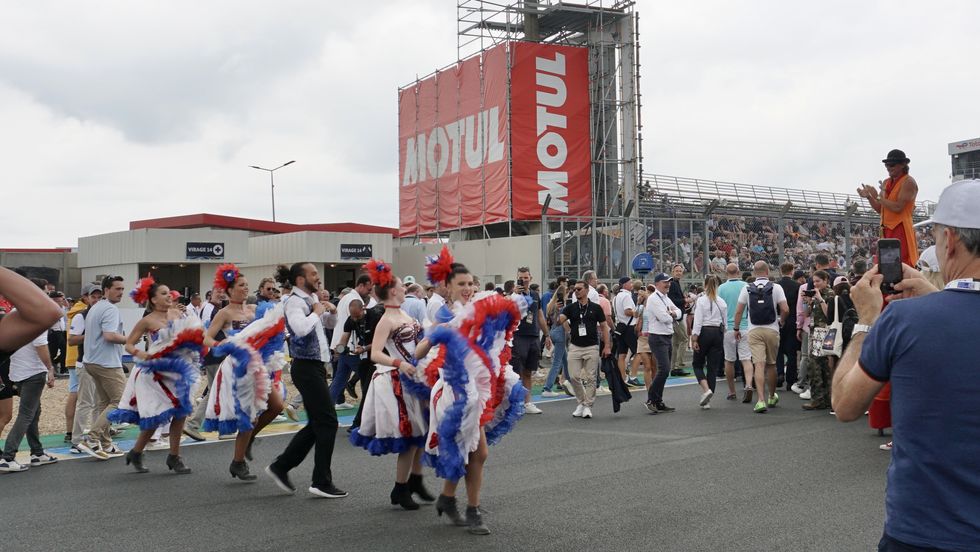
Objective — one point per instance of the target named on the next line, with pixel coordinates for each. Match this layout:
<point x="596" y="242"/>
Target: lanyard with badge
<point x="964" y="284"/>
<point x="582" y="311"/>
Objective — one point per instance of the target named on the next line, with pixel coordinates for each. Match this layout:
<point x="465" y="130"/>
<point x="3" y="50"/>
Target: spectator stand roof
<point x="676" y="196"/>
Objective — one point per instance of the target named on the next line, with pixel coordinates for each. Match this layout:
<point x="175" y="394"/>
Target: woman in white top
<point x="707" y="338"/>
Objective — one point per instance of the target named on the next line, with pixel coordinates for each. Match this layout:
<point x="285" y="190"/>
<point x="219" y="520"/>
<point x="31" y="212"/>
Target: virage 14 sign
<point x="468" y="157"/>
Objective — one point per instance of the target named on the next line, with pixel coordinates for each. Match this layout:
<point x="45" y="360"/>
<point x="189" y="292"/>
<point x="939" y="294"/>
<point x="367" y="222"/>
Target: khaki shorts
<point x="764" y="344"/>
<point x="643" y="345"/>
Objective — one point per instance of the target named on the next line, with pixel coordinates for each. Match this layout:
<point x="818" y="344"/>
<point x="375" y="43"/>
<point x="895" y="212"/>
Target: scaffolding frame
<point x="610" y="31"/>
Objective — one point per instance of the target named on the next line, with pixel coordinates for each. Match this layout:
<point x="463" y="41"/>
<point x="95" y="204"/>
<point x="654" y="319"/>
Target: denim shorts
<point x="72" y="380"/>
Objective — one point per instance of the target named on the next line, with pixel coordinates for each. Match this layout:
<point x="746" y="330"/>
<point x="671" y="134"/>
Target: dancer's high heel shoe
<point x="401" y="496"/>
<point x="136" y="459"/>
<point x="447" y="505"/>
<point x="176" y="464"/>
<point x="416" y="487"/>
<point x="240" y="470"/>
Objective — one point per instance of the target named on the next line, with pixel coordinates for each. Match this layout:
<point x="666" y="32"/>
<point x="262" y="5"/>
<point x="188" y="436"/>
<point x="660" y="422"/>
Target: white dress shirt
<point x="662" y="313"/>
<point x="709" y="314"/>
<point x="301" y="322"/>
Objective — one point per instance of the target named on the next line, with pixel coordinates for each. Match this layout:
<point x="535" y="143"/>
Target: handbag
<point x="828" y="341"/>
<point x="817" y="337"/>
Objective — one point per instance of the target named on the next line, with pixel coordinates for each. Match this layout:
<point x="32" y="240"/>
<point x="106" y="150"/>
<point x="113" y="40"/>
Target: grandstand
<point x="705" y="224"/>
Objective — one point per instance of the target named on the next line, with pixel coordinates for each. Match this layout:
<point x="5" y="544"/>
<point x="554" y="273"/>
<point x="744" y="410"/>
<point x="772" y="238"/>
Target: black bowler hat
<point x="896" y="156"/>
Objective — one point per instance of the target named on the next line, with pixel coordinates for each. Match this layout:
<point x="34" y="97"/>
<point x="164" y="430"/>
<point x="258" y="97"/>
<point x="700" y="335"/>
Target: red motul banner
<point x="550" y="130"/>
<point x="453" y="147"/>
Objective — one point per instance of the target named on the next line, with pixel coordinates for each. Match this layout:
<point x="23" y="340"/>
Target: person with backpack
<point x="767" y="309"/>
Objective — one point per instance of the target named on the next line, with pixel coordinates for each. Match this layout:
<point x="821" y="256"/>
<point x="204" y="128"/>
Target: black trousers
<point x="711" y="349"/>
<point x="365" y="371"/>
<point x="57" y="343"/>
<point x="320" y="432"/>
<point x="660" y="345"/>
<point x="786" y="357"/>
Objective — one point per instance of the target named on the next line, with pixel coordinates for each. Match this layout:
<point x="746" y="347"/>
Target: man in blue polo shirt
<point x="926" y="346"/>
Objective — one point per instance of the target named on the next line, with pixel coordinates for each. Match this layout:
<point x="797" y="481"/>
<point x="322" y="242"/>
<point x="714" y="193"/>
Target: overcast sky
<point x="118" y="111"/>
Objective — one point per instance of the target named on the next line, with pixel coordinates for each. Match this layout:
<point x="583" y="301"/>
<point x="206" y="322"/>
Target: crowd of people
<point x="445" y="370"/>
<point x="744" y="240"/>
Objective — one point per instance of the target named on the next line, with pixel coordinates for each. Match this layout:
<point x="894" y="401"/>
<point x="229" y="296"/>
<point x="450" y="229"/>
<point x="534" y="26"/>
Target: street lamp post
<point x="272" y="182"/>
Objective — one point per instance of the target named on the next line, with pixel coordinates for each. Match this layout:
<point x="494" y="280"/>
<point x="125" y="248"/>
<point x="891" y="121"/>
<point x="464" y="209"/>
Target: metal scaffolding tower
<point x="610" y="31"/>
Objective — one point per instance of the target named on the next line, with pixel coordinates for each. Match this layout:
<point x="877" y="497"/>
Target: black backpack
<point x="762" y="310"/>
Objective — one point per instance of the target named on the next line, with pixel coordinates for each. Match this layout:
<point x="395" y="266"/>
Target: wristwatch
<point x="860" y="328"/>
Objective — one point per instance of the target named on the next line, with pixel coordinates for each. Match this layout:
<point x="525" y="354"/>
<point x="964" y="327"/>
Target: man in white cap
<point x="924" y="343"/>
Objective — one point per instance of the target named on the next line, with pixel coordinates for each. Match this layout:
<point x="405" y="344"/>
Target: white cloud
<point x="117" y="111"/>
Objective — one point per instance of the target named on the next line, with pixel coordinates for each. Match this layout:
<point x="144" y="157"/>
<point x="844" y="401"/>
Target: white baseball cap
<point x="957" y="206"/>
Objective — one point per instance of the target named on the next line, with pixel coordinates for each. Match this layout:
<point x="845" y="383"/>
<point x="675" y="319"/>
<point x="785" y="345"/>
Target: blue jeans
<point x="345" y="367"/>
<point x="559" y="357"/>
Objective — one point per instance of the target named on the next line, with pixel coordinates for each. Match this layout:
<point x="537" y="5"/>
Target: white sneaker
<point x="586" y="412"/>
<point x="280" y="418"/>
<point x="886" y="447"/>
<point x="578" y="411"/>
<point x="291" y="413"/>
<point x="797" y="388"/>
<point x="159" y="444"/>
<point x="805" y="395"/>
<point x="567" y="386"/>
<point x="227" y="436"/>
<point x="42" y="459"/>
<point x="344" y="405"/>
<point x="92" y="449"/>
<point x="706" y="407"/>
<point x="114" y="452"/>
<point x="550" y="394"/>
<point x="531" y="408"/>
<point x="602" y="390"/>
<point x="706" y="398"/>
<point x="11" y="466"/>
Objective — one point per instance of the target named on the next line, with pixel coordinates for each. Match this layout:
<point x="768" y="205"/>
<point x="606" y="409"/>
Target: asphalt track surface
<point x="724" y="479"/>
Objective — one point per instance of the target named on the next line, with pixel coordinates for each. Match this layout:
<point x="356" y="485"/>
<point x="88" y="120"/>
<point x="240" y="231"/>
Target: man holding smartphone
<point x="931" y="499"/>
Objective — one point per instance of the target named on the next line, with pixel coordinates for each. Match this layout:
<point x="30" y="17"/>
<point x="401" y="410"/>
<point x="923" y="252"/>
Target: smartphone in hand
<point x="889" y="264"/>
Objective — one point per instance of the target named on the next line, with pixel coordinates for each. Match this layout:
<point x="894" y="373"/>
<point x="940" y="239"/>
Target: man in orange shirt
<point x="895" y="203"/>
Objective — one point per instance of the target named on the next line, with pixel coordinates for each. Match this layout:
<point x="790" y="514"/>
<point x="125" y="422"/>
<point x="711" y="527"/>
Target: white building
<point x="183" y="252"/>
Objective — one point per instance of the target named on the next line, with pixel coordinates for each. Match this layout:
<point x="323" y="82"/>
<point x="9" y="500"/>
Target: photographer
<point x="922" y="345"/>
<point x="818" y="301"/>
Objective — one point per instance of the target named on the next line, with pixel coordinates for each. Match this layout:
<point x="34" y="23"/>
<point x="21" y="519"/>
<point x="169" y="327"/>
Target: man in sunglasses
<point x="896" y="202"/>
